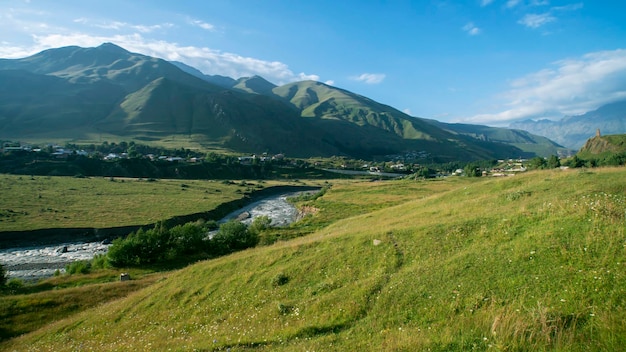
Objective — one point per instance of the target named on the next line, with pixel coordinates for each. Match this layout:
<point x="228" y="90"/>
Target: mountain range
<point x="81" y="94"/>
<point x="574" y="131"/>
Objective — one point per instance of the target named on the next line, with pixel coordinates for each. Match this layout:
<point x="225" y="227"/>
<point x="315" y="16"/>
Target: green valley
<point x="531" y="262"/>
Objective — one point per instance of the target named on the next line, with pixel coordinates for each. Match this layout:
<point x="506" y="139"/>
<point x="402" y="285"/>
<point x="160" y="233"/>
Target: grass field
<point x="531" y="262"/>
<point x="39" y="202"/>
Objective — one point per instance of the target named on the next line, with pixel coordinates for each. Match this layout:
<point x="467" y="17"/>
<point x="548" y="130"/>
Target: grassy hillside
<point x="531" y="262"/>
<point x="602" y="145"/>
<point x="316" y="99"/>
<point x="525" y="141"/>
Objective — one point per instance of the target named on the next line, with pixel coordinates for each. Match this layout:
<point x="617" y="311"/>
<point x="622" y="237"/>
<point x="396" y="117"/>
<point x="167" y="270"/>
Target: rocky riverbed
<point x="32" y="263"/>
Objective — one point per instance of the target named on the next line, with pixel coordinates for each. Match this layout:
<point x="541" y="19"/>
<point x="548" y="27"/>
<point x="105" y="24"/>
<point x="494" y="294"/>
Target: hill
<point x="81" y="94"/>
<point x="605" y="144"/>
<point x="317" y="101"/>
<point x="397" y="266"/>
<point x="526" y="141"/>
<point x="573" y="131"/>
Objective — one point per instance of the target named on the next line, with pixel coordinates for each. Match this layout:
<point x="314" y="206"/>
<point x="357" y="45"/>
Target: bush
<point x="188" y="238"/>
<point x="157" y="245"/>
<point x="15" y="284"/>
<point x="79" y="267"/>
<point x="233" y="236"/>
<point x="280" y="279"/>
<point x="3" y="276"/>
<point x="100" y="261"/>
<point x="259" y="224"/>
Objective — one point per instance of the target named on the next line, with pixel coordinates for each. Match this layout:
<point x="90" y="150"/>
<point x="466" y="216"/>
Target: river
<point x="37" y="262"/>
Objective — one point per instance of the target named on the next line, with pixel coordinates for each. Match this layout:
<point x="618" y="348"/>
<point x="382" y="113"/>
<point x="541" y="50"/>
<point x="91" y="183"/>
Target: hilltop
<point x="448" y="265"/>
<point x="87" y="94"/>
<point x="605" y="144"/>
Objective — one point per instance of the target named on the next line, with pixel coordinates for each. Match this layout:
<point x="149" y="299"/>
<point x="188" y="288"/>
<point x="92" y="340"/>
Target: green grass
<point x="38" y="305"/>
<point x="531" y="262"/>
<point x="39" y="202"/>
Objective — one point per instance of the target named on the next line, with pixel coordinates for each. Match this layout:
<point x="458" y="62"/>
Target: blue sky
<point x="476" y="61"/>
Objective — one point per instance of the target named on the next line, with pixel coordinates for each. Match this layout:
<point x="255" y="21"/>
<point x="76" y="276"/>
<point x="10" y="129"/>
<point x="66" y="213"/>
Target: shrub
<point x="259" y="224"/>
<point x="157" y="244"/>
<point x="3" y="275"/>
<point x="280" y="279"/>
<point x="233" y="236"/>
<point x="15" y="284"/>
<point x="100" y="261"/>
<point x="79" y="267"/>
<point x="187" y="238"/>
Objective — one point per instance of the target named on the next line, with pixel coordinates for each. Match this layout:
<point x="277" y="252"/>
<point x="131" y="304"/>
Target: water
<point x="33" y="263"/>
<point x="277" y="208"/>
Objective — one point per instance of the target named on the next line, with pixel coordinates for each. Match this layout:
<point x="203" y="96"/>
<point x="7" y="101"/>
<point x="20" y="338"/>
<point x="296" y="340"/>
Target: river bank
<point x="56" y="236"/>
<point x="32" y="262"/>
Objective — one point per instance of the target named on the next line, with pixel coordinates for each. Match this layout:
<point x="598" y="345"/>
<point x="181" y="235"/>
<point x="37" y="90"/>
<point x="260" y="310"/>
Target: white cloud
<point x="570" y="7"/>
<point x="207" y="60"/>
<point x="471" y="29"/>
<point x="330" y="82"/>
<point x="570" y="87"/>
<point x="512" y="3"/>
<point x="407" y="111"/>
<point x="536" y="20"/>
<point x="119" y="26"/>
<point x="485" y="2"/>
<point x="201" y="24"/>
<point x="369" y="78"/>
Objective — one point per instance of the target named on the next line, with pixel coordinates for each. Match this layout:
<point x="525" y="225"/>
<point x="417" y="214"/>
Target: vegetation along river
<point x="36" y="262"/>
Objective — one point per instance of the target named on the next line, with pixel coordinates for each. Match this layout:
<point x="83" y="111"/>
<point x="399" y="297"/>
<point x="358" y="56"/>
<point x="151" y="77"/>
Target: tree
<point x="537" y="163"/>
<point x="553" y="162"/>
<point x="575" y="161"/>
<point x="233" y="236"/>
<point x="471" y="170"/>
<point x="3" y="276"/>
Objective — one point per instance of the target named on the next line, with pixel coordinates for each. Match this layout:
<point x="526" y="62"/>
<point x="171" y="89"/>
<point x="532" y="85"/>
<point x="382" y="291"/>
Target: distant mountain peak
<point x="255" y="84"/>
<point x="110" y="47"/>
<point x="573" y="131"/>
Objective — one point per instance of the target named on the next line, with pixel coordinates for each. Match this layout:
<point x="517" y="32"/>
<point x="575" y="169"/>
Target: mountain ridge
<point x="573" y="131"/>
<point x="141" y="96"/>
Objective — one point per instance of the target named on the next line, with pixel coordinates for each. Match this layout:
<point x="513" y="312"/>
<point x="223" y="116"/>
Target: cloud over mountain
<point x="569" y="87"/>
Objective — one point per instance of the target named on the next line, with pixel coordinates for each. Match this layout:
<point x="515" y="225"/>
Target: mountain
<point x="255" y="85"/>
<point x="573" y="131"/>
<point x="221" y="81"/>
<point x="524" y="140"/>
<point x="77" y="93"/>
<point x="320" y="102"/>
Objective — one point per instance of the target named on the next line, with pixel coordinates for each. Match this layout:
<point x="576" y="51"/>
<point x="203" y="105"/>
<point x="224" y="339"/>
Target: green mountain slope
<point x="526" y="141"/>
<point x="452" y="265"/>
<point x="318" y="101"/>
<point x="112" y="91"/>
<point x="255" y="84"/>
<point x="31" y="104"/>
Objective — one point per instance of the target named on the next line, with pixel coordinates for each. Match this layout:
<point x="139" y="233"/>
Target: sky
<point x="488" y="62"/>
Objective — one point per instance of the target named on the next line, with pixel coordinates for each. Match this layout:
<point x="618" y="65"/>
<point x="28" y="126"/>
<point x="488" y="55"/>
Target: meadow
<point x="40" y="202"/>
<point x="531" y="262"/>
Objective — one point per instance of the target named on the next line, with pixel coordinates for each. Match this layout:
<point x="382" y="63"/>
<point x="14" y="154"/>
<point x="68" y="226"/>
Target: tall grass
<point x="533" y="262"/>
